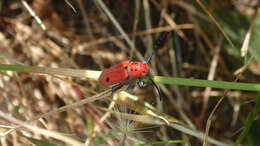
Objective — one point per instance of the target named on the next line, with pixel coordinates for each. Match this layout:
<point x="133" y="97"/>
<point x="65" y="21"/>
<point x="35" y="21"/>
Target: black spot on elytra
<point x="126" y="67"/>
<point x="107" y="79"/>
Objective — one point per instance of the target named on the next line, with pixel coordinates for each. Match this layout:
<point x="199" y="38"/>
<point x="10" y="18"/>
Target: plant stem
<point x="207" y="83"/>
<point x="156" y="79"/>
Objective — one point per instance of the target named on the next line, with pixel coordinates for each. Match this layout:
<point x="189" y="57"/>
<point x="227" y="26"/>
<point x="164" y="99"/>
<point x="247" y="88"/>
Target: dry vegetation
<point x="78" y="34"/>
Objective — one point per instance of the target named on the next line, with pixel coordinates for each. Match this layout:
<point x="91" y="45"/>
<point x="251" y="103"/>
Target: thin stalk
<point x="54" y="71"/>
<point x="157" y="79"/>
<point x="207" y="83"/>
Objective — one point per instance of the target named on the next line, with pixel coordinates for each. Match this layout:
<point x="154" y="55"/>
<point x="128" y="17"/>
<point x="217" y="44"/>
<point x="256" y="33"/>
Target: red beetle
<point x="128" y="70"/>
<point x="123" y="72"/>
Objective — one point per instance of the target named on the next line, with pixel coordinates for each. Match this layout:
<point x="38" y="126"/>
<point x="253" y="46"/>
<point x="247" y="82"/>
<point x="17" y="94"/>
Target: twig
<point x="33" y="14"/>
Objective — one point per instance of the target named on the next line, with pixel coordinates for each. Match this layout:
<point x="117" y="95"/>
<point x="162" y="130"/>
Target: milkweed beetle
<point x="129" y="70"/>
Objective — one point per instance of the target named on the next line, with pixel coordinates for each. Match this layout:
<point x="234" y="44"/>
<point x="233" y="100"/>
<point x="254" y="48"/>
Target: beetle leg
<point x="141" y="84"/>
<point x="130" y="86"/>
<point x="115" y="86"/>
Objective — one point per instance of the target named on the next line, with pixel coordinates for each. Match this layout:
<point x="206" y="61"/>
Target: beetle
<point x="124" y="71"/>
<point x="130" y="70"/>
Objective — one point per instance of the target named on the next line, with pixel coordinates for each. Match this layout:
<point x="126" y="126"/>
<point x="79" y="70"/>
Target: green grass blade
<point x="207" y="83"/>
<point x="163" y="142"/>
<point x="18" y="68"/>
<point x="157" y="79"/>
<point x="249" y="121"/>
<point x="39" y="142"/>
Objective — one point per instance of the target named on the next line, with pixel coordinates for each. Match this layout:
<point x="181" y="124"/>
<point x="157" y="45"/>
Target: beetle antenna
<point x="150" y="57"/>
<point x="158" y="89"/>
<point x="158" y="44"/>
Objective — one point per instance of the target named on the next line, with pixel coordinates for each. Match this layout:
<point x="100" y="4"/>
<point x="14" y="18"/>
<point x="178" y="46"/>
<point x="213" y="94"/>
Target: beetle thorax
<point x="138" y="69"/>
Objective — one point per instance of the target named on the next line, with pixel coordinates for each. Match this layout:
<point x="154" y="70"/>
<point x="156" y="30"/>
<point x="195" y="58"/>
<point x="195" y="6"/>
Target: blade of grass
<point x="66" y="107"/>
<point x="116" y="24"/>
<point x="56" y="71"/>
<point x="158" y="79"/>
<point x="33" y="14"/>
<point x="119" y="28"/>
<point x="249" y="120"/>
<point x="164" y="142"/>
<point x="205" y="141"/>
<point x="197" y="134"/>
<point x="207" y="83"/>
<point x="71" y="6"/>
<point x="18" y="68"/>
<point x="38" y="130"/>
<point x="138" y="118"/>
<point x="39" y="142"/>
<point x="215" y="21"/>
<point x="135" y="24"/>
<point x="246" y="42"/>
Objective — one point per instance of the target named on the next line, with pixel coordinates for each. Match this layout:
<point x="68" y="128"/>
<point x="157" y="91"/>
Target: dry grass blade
<point x="139" y="33"/>
<point x="245" y="45"/>
<point x="140" y="108"/>
<point x="37" y="130"/>
<point x="197" y="134"/>
<point x="211" y="75"/>
<point x="85" y="18"/>
<point x="138" y="118"/>
<point x="70" y="5"/>
<point x="91" y="74"/>
<point x="33" y="14"/>
<point x="205" y="141"/>
<point x="114" y="21"/>
<point x="215" y="21"/>
<point x="148" y="25"/>
<point x="136" y="20"/>
<point x="64" y="108"/>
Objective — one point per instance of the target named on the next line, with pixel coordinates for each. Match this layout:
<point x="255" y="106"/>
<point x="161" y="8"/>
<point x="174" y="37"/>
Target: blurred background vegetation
<point x="211" y="40"/>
